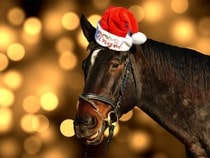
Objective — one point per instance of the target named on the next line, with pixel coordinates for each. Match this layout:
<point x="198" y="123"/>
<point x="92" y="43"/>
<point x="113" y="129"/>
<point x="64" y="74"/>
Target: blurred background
<point x="41" y="50"/>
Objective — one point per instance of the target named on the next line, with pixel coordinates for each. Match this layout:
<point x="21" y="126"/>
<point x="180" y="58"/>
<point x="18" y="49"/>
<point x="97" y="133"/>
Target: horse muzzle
<point x="89" y="129"/>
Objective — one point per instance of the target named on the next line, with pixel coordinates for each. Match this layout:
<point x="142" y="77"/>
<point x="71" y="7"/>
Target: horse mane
<point x="184" y="67"/>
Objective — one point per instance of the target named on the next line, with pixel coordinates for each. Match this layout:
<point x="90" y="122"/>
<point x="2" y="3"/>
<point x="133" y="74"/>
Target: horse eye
<point x="115" y="64"/>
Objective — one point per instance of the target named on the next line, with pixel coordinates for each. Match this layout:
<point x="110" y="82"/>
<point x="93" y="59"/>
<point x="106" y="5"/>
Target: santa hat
<point x="118" y="30"/>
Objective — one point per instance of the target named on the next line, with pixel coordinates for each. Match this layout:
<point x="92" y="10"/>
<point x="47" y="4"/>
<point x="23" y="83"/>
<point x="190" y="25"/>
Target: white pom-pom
<point x="138" y="38"/>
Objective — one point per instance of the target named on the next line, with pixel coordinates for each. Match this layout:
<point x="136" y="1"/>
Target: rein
<point x="89" y="97"/>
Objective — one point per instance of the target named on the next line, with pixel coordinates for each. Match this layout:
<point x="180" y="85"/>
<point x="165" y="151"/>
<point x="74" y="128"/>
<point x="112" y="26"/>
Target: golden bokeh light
<point x="154" y="11"/>
<point x="7" y="36"/>
<point x="32" y="144"/>
<point x="6" y="119"/>
<point x="16" y="16"/>
<point x="70" y="21"/>
<point x="127" y="116"/>
<point x="64" y="44"/>
<point x="94" y="19"/>
<point x="13" y="79"/>
<point x="31" y="104"/>
<point x="9" y="147"/>
<point x="67" y="128"/>
<point x="7" y="97"/>
<point x="138" y="12"/>
<point x="49" y="101"/>
<point x="101" y="4"/>
<point x="68" y="60"/>
<point x="26" y="123"/>
<point x="16" y="51"/>
<point x="51" y="25"/>
<point x="4" y="62"/>
<point x="140" y="141"/>
<point x="179" y="6"/>
<point x="183" y="31"/>
<point x="32" y="26"/>
<point x="40" y="123"/>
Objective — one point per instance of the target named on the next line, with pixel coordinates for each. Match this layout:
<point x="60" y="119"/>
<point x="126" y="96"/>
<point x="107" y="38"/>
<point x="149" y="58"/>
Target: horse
<point x="169" y="83"/>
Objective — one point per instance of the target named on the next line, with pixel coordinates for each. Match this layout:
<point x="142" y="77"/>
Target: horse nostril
<point x="89" y="121"/>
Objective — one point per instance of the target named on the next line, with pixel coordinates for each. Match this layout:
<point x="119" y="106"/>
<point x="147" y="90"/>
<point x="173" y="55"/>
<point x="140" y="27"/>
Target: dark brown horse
<point x="170" y="84"/>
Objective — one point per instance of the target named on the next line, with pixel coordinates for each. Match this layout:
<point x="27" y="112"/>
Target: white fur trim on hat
<point x="139" y="38"/>
<point x="112" y="41"/>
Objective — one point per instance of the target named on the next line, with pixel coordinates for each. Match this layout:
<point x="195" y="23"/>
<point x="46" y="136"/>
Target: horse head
<point x="109" y="88"/>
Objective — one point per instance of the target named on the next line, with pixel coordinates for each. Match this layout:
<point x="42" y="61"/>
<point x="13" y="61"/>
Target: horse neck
<point x="163" y="97"/>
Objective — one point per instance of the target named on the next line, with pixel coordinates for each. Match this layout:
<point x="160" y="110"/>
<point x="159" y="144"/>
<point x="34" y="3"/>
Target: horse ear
<point x="87" y="29"/>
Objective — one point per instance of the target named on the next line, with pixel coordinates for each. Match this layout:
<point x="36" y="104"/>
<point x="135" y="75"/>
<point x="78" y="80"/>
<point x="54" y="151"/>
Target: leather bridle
<point x="89" y="97"/>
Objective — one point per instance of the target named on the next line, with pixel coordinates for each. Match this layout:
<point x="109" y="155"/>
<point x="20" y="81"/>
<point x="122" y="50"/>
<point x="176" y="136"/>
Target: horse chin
<point x="97" y="137"/>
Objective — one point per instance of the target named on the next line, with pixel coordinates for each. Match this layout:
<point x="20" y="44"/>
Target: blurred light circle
<point x="40" y="123"/>
<point x="154" y="11"/>
<point x="140" y="141"/>
<point x="32" y="26"/>
<point x="179" y="6"/>
<point x="6" y="117"/>
<point x="183" y="31"/>
<point x="67" y="60"/>
<point x="32" y="144"/>
<point x="16" y="16"/>
<point x="67" y="128"/>
<point x="10" y="147"/>
<point x="4" y="62"/>
<point x="94" y="19"/>
<point x="26" y="123"/>
<point x="138" y="11"/>
<point x="16" y="51"/>
<point x="49" y="101"/>
<point x="7" y="36"/>
<point x="101" y="4"/>
<point x="82" y="40"/>
<point x="70" y="21"/>
<point x="13" y="79"/>
<point x="7" y="97"/>
<point x="31" y="104"/>
<point x="64" y="44"/>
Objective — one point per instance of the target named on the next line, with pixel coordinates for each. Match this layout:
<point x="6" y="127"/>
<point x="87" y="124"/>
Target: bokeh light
<point x="94" y="19"/>
<point x="32" y="26"/>
<point x="6" y="119"/>
<point x="101" y="4"/>
<point x="31" y="104"/>
<point x="138" y="11"/>
<point x="32" y="145"/>
<point x="67" y="60"/>
<point x="40" y="123"/>
<point x="179" y="6"/>
<point x="70" y="21"/>
<point x="7" y="36"/>
<point x="64" y="44"/>
<point x="16" y="51"/>
<point x="7" y="97"/>
<point x="154" y="11"/>
<point x="13" y="79"/>
<point x="16" y="16"/>
<point x="26" y="123"/>
<point x="183" y="31"/>
<point x="49" y="101"/>
<point x="67" y="128"/>
<point x="4" y="61"/>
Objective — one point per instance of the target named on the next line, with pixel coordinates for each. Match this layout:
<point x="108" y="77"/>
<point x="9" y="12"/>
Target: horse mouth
<point x="97" y="137"/>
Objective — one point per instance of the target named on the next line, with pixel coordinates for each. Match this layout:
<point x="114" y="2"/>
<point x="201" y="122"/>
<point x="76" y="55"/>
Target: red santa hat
<point x="118" y="30"/>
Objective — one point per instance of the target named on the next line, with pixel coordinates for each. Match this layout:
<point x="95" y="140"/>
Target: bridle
<point x="89" y="97"/>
